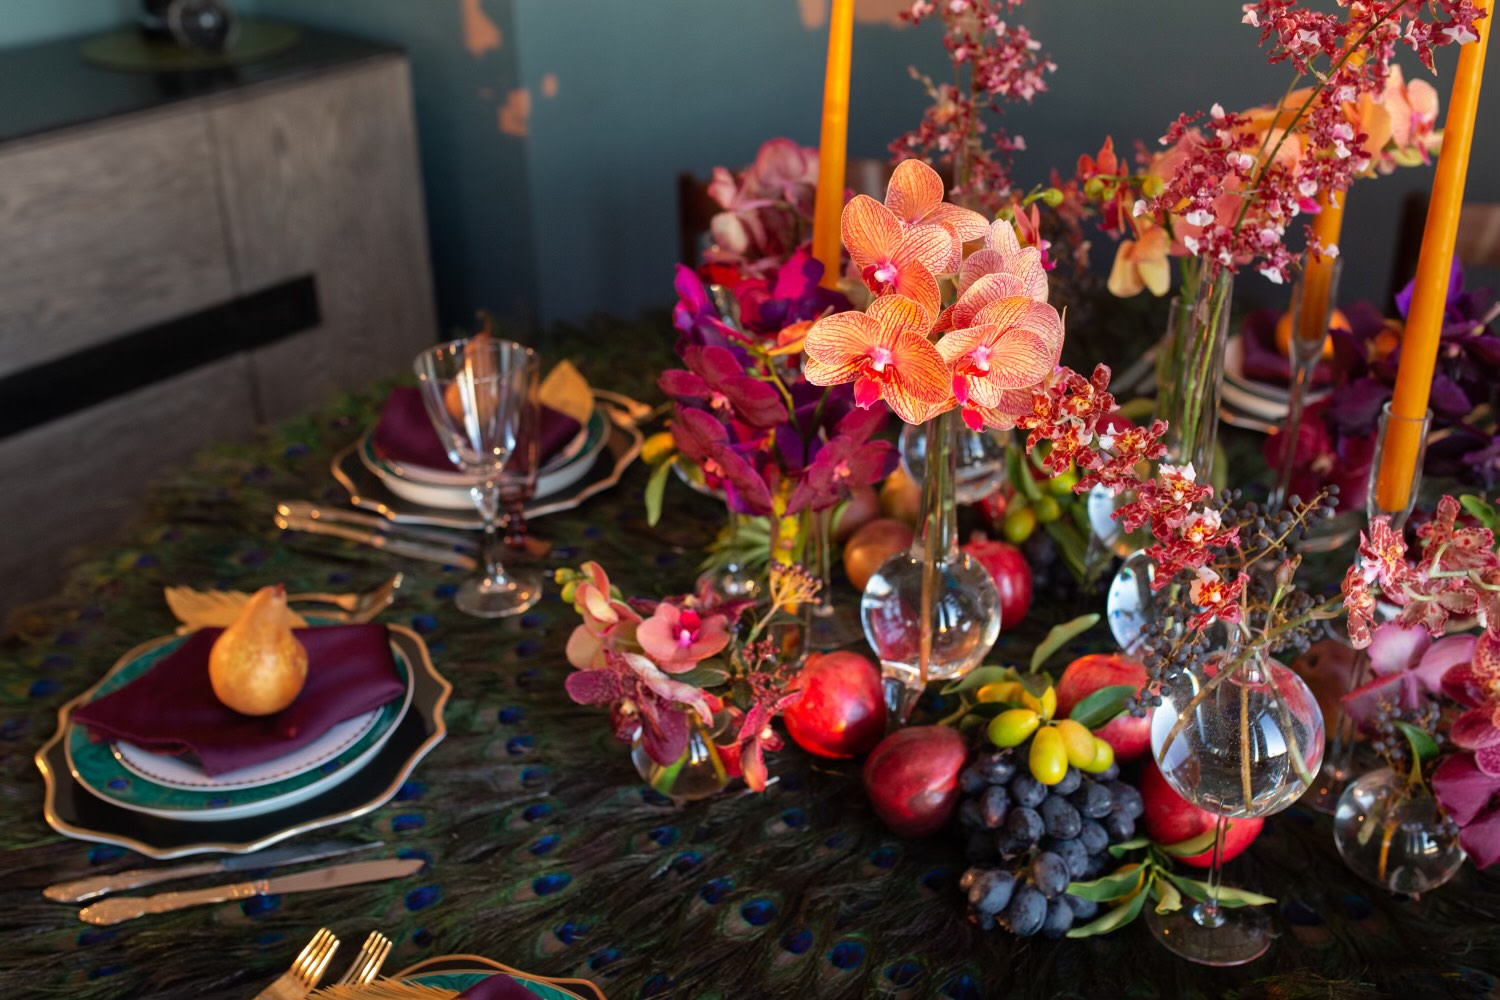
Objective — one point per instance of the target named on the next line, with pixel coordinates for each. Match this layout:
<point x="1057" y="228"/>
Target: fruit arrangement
<point x="1028" y="839"/>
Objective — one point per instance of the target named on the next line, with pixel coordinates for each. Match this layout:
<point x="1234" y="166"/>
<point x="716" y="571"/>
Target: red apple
<point x="862" y="508"/>
<point x="1011" y="573"/>
<point x="872" y="545"/>
<point x="1171" y="819"/>
<point x="841" y="712"/>
<point x="912" y="778"/>
<point x="1129" y="735"/>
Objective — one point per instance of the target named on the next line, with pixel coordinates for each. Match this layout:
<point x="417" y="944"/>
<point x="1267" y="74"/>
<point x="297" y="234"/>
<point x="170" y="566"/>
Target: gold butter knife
<point x="122" y="908"/>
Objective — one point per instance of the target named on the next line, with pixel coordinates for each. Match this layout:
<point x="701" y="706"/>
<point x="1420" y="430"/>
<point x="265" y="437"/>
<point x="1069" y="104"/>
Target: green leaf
<point x="1423" y="746"/>
<point x="1107" y="887"/>
<point x="1229" y="896"/>
<point x="1020" y="475"/>
<point x="1168" y="898"/>
<point x="1120" y="850"/>
<point x="1193" y="845"/>
<point x="1113" y="919"/>
<point x="708" y="674"/>
<point x="1484" y="511"/>
<point x="656" y="488"/>
<point x="1059" y="636"/>
<point x="981" y="676"/>
<point x="1101" y="707"/>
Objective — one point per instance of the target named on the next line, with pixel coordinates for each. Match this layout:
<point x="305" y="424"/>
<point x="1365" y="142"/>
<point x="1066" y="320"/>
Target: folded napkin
<point x="172" y="707"/>
<point x="497" y="987"/>
<point x="404" y="433"/>
<point x="1263" y="362"/>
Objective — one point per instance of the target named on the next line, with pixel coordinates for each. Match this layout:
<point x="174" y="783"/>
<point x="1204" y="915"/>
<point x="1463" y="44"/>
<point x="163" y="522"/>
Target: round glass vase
<point x="979" y="462"/>
<point x="1239" y="736"/>
<point x="1390" y="832"/>
<point x="698" y="774"/>
<point x="1190" y="368"/>
<point x="931" y="612"/>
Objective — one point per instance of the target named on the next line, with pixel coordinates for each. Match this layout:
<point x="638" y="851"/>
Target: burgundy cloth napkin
<point x="172" y="707"/>
<point x="1263" y="362"/>
<point x="404" y="432"/>
<point x="497" y="987"/>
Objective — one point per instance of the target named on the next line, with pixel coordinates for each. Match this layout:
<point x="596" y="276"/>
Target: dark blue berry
<point x="1059" y="919"/>
<point x="1127" y="799"/>
<point x="1093" y="836"/>
<point x="1083" y="909"/>
<point x="1049" y="873"/>
<point x="997" y="767"/>
<point x="1027" y="791"/>
<point x="1093" y="800"/>
<point x="1071" y="780"/>
<point x="1119" y="826"/>
<point x="1025" y="825"/>
<point x="1061" y="818"/>
<point x="993" y="806"/>
<point x="991" y="891"/>
<point x="972" y="779"/>
<point x="1073" y="853"/>
<point x="1027" y="911"/>
<point x="968" y="814"/>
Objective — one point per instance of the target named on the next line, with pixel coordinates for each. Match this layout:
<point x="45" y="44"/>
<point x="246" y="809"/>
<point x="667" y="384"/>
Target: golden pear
<point x="257" y="665"/>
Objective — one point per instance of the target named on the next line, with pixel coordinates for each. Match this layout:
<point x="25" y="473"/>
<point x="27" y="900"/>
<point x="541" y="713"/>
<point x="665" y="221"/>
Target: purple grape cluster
<point x="1027" y="842"/>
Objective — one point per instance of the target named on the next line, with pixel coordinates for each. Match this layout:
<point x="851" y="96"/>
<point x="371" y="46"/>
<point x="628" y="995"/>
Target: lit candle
<point x="1317" y="274"/>
<point x="1424" y="321"/>
<point x="834" y="141"/>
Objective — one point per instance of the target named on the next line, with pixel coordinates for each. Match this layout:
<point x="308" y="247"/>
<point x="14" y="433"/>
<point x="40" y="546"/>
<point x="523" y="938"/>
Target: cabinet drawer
<point x="107" y="231"/>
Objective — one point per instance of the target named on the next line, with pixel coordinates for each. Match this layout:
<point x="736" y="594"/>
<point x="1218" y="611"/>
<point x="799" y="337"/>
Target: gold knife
<point x="122" y="908"/>
<point x="81" y="889"/>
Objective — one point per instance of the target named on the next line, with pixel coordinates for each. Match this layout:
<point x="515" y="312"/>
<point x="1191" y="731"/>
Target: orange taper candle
<point x="1317" y="275"/>
<point x="1424" y="321"/>
<point x="833" y="142"/>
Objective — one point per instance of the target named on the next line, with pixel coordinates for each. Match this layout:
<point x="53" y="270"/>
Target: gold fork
<point x="369" y="960"/>
<point x="307" y="969"/>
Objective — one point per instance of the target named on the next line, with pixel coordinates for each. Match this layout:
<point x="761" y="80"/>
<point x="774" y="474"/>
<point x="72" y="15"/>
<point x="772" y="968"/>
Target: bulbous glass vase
<point x="978" y="466"/>
<point x="1241" y="736"/>
<point x="1391" y="833"/>
<point x="698" y="774"/>
<point x="931" y="612"/>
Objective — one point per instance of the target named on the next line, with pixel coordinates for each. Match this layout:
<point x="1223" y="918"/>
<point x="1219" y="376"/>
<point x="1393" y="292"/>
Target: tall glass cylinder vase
<point x="931" y="613"/>
<point x="1190" y="368"/>
<point x="832" y="624"/>
<point x="1312" y="308"/>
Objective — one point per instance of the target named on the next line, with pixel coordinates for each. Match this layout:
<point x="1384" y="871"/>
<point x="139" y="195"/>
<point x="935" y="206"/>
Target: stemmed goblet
<point x="1238" y="736"/>
<point x="481" y="396"/>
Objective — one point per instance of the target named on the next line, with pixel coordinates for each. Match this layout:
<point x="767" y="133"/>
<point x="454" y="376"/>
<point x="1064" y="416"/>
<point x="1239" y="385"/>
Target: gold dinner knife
<point x="122" y="908"/>
<point x="78" y="890"/>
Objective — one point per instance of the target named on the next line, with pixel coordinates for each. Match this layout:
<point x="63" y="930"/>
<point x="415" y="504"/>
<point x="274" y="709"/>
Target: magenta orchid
<point x="1408" y="668"/>
<point x="648" y="704"/>
<point x="716" y="380"/>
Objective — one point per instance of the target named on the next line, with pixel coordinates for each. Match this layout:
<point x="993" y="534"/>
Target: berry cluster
<point x="1027" y="841"/>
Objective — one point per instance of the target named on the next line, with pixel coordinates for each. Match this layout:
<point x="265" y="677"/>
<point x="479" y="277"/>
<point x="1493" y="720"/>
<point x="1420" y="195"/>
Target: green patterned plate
<point x="101" y="768"/>
<point x="460" y="981"/>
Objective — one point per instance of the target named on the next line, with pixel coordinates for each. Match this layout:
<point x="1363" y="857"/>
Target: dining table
<point x="541" y="846"/>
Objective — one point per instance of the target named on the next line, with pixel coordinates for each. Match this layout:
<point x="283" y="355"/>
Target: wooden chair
<point x="695" y="209"/>
<point x="1478" y="243"/>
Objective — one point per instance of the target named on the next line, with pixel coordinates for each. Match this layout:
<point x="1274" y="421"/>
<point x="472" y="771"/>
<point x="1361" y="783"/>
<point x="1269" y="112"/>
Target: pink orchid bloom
<point x="678" y="638"/>
<point x="1467" y="794"/>
<point x="1013" y="344"/>
<point x="716" y="379"/>
<point x="885" y="352"/>
<point x="915" y="196"/>
<point x="1476" y="685"/>
<point x="1408" y="667"/>
<point x="607" y="621"/>
<point x="1003" y="254"/>
<point x="1413" y="108"/>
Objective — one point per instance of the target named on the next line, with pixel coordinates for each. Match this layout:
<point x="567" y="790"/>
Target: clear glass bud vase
<point x="1390" y="832"/>
<point x="698" y="774"/>
<point x="931" y="613"/>
<point x="1190" y="369"/>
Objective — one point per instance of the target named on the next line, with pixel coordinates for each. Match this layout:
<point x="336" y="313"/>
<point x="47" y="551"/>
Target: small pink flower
<point x="1408" y="666"/>
<point x="607" y="621"/>
<point x="678" y="638"/>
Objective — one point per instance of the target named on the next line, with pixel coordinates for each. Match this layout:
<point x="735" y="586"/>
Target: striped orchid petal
<point x="884" y="352"/>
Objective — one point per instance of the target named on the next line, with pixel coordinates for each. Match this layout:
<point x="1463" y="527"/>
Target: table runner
<point x="546" y="852"/>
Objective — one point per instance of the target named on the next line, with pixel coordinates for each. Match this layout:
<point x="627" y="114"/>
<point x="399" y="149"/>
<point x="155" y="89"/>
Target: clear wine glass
<point x="1240" y="736"/>
<point x="481" y="396"/>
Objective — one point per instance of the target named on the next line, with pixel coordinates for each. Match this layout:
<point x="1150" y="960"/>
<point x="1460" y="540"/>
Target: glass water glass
<point x="481" y="396"/>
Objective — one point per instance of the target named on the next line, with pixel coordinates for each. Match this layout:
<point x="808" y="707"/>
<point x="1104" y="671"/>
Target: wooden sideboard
<point x="184" y="258"/>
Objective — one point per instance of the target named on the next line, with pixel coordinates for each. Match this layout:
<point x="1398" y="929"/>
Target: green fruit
<point x="1049" y="757"/>
<point x="1062" y="485"/>
<point x="1018" y="525"/>
<point x="1011" y="727"/>
<point x="1104" y="755"/>
<point x="1047" y="509"/>
<point x="1078" y="741"/>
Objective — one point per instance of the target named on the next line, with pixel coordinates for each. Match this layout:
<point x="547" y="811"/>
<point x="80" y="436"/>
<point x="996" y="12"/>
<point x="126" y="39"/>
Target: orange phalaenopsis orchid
<point x="900" y="247"/>
<point x="987" y="354"/>
<point x="885" y="352"/>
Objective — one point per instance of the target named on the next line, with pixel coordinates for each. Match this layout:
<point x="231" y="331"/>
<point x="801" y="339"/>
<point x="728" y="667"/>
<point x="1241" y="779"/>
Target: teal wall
<point x="572" y="208"/>
<point x="24" y="22"/>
